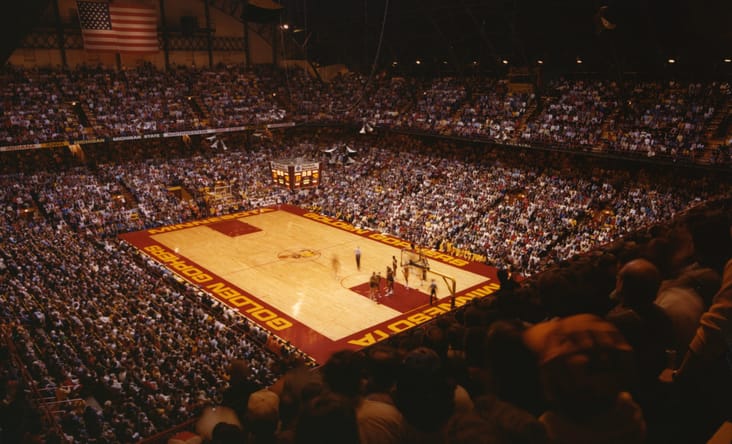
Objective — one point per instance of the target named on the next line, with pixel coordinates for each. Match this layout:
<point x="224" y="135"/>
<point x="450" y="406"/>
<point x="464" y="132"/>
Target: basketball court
<point x="294" y="273"/>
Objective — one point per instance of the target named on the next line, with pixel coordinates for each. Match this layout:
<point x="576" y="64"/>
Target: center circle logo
<point x="302" y="254"/>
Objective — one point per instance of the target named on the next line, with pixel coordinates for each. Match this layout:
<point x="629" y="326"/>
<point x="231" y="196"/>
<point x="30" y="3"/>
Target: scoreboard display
<point x="295" y="174"/>
<point x="280" y="174"/>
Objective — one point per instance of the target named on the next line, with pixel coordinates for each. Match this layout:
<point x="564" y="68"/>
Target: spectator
<point x="327" y="419"/>
<point x="644" y="324"/>
<point x="585" y="365"/>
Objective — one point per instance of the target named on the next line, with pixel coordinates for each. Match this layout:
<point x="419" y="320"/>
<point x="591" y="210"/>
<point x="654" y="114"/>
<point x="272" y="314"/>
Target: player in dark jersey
<point x="389" y="281"/>
<point x="433" y="292"/>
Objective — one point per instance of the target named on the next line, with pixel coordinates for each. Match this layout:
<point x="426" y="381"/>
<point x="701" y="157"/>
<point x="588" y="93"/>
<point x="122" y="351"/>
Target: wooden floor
<point x="306" y="269"/>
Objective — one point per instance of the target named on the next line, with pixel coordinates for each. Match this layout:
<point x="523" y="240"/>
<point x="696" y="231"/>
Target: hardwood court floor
<point x="302" y="265"/>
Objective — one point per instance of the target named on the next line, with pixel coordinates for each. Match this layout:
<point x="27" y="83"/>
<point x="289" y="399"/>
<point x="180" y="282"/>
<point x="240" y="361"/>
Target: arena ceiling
<point x="457" y="33"/>
<point x="16" y="19"/>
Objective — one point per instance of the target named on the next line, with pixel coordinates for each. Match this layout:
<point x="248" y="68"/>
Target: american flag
<point x="118" y="28"/>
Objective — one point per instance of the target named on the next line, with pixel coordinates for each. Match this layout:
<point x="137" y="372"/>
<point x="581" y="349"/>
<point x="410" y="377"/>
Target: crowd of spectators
<point x="629" y="118"/>
<point x="311" y="99"/>
<point x="666" y="119"/>
<point x="34" y="108"/>
<point x="91" y="320"/>
<point x="128" y="351"/>
<point x="389" y="104"/>
<point x="102" y="206"/>
<point x="135" y="101"/>
<point x="573" y="113"/>
<point x="572" y="356"/>
<point x="436" y="107"/>
<point x="511" y="209"/>
<point x="233" y="97"/>
<point x="495" y="112"/>
<point x="504" y="210"/>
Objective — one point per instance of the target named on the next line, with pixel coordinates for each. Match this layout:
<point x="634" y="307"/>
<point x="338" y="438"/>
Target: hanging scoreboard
<point x="295" y="173"/>
<point x="280" y="174"/>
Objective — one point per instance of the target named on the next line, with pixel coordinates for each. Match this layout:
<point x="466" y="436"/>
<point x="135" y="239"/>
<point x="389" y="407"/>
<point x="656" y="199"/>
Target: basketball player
<point x="336" y="264"/>
<point x="378" y="285"/>
<point x="393" y="264"/>
<point x="389" y="281"/>
<point x="422" y="272"/>
<point x="373" y="286"/>
<point x="433" y="292"/>
<point x="405" y="271"/>
<point x="357" y="252"/>
<point x="425" y="266"/>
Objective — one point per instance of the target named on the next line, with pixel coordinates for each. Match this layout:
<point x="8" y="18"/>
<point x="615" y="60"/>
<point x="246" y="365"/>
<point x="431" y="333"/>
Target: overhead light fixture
<point x="671" y="61"/>
<point x="727" y="60"/>
<point x="418" y="62"/>
<point x="540" y="62"/>
<point x="504" y="61"/>
<point x="285" y="26"/>
<point x="579" y="61"/>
